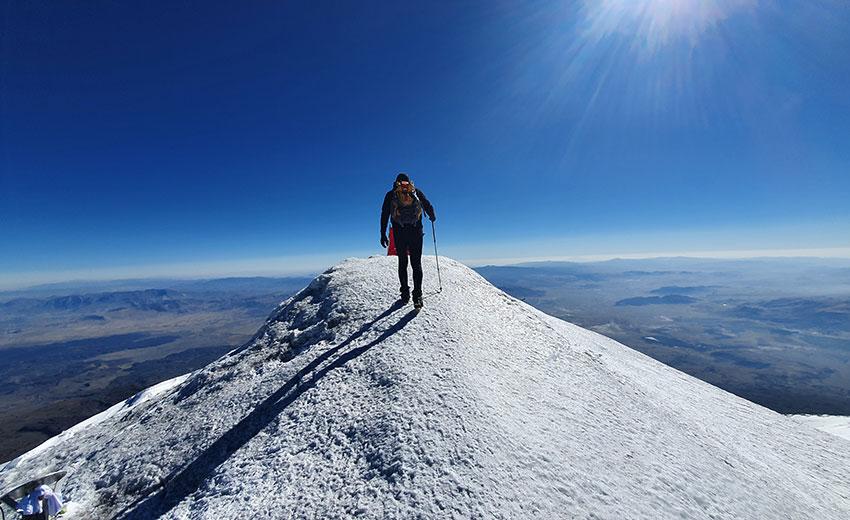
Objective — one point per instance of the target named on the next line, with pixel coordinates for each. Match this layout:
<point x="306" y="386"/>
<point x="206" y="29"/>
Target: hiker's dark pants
<point x="408" y="242"/>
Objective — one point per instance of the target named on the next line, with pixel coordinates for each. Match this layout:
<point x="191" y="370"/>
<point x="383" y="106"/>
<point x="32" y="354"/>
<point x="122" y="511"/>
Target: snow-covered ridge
<point x="835" y="424"/>
<point x="121" y="407"/>
<point x="345" y="404"/>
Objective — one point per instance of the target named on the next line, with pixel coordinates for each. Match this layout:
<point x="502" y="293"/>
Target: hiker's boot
<point x="404" y="295"/>
<point x="417" y="299"/>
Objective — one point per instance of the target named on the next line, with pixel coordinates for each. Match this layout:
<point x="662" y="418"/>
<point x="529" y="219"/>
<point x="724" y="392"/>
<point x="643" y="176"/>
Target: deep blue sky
<point x="145" y="138"/>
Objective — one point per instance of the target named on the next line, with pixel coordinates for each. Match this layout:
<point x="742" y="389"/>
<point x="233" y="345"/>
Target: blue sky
<point x="197" y="138"/>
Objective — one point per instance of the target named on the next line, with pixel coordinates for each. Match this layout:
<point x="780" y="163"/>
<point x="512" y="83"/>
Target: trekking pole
<point x="436" y="257"/>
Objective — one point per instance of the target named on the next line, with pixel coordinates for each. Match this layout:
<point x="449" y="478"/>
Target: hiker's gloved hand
<point x="432" y="217"/>
<point x="384" y="241"/>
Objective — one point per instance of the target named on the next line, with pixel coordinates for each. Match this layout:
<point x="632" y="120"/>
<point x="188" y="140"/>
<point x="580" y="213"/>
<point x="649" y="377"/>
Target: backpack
<point x="406" y="208"/>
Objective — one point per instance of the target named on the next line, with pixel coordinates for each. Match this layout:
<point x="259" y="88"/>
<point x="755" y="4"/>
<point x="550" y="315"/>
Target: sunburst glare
<point x="652" y="24"/>
<point x="651" y="63"/>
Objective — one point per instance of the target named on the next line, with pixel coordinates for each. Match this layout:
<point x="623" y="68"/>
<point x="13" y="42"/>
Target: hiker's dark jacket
<point x="388" y="207"/>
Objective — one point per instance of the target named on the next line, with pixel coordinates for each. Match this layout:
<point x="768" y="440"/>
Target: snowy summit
<point x="346" y="404"/>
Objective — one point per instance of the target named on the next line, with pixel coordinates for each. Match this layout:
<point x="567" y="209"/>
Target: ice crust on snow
<point x="344" y="404"/>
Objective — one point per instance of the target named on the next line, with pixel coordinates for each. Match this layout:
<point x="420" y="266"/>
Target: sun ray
<point x="654" y="24"/>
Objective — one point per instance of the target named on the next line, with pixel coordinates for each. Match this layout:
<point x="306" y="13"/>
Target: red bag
<point x="391" y="249"/>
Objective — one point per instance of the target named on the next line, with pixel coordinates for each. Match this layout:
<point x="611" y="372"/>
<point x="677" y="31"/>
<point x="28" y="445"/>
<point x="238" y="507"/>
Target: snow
<point x="137" y="399"/>
<point x="480" y="406"/>
<point x="835" y="424"/>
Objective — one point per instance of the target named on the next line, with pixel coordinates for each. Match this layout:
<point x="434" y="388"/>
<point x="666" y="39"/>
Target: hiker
<point x="404" y="205"/>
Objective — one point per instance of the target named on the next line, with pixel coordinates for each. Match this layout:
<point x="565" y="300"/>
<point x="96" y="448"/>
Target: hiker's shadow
<point x="191" y="477"/>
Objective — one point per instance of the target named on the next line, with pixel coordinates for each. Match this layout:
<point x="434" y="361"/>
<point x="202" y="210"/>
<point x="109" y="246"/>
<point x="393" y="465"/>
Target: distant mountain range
<point x="159" y="300"/>
<point x="179" y="296"/>
<point x="251" y="285"/>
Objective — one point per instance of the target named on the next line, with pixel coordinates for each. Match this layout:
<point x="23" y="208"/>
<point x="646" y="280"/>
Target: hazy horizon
<point x="264" y="267"/>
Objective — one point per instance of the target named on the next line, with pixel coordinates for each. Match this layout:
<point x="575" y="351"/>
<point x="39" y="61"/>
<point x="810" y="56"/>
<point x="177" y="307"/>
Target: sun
<point x="654" y="24"/>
